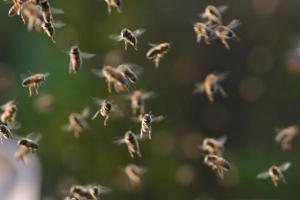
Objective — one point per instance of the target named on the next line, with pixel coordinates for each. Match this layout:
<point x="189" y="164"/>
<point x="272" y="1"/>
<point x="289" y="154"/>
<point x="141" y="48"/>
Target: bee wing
<point x="119" y="141"/>
<point x="234" y="23"/>
<point x="134" y="67"/>
<point x="263" y="175"/>
<point x="59" y="24"/>
<point x="36" y="137"/>
<point x="98" y="101"/>
<point x="199" y="88"/>
<point x="139" y="32"/>
<point x="284" y="166"/>
<point x="158" y="118"/>
<point x="87" y="55"/>
<point x="57" y="11"/>
<point x="116" y="111"/>
<point x="222" y="8"/>
<point x="97" y="72"/>
<point x="280" y="135"/>
<point x="152" y="44"/>
<point x="67" y="128"/>
<point x="103" y="189"/>
<point x="115" y="37"/>
<point x="222" y="76"/>
<point x="86" y="112"/>
<point x="135" y="119"/>
<point x="149" y="95"/>
<point x="222" y="140"/>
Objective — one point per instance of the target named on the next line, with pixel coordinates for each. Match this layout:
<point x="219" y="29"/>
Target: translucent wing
<point x="151" y="44"/>
<point x="222" y="76"/>
<point x="222" y="140"/>
<point x="86" y="112"/>
<point x="149" y="95"/>
<point x="158" y="118"/>
<point x="98" y="101"/>
<point x="135" y="119"/>
<point x="284" y="166"/>
<point x="134" y="67"/>
<point x="36" y="137"/>
<point x="263" y="175"/>
<point x="97" y="72"/>
<point x="87" y="55"/>
<point x="222" y="8"/>
<point x="233" y="24"/>
<point x="199" y="88"/>
<point x="119" y="141"/>
<point x="139" y="32"/>
<point x="57" y="11"/>
<point x="115" y="37"/>
<point x="59" y="24"/>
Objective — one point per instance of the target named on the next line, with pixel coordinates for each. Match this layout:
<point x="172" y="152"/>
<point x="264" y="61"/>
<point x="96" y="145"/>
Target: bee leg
<point x="274" y="182"/>
<point x="149" y="136"/>
<point x="224" y="94"/>
<point x="126" y="44"/>
<point x="156" y="61"/>
<point x="220" y="173"/>
<point x="106" y="120"/>
<point x="225" y="44"/>
<point x="210" y="96"/>
<point x="30" y="90"/>
<point x="131" y="153"/>
<point x="109" y="9"/>
<point x="119" y="9"/>
<point x="139" y="154"/>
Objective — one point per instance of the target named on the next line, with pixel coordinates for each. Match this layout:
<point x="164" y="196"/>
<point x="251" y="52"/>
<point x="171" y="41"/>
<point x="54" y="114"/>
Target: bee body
<point x="77" y="122"/>
<point x="5" y="132"/>
<point x="49" y="30"/>
<point x="213" y="146"/>
<point x="157" y="52"/>
<point x="9" y="112"/>
<point x="286" y="136"/>
<point x="217" y="163"/>
<point x="134" y="174"/>
<point x="131" y="140"/>
<point x="26" y="146"/>
<point x="129" y="37"/>
<point x="46" y="12"/>
<point x="15" y="8"/>
<point x="33" y="82"/>
<point x="75" y="60"/>
<point x="214" y="14"/>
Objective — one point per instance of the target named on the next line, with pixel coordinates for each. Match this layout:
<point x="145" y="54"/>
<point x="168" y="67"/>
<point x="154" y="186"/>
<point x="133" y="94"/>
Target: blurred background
<point x="263" y="94"/>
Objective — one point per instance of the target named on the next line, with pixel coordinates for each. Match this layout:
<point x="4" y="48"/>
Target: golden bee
<point x="275" y="173"/>
<point x="211" y="85"/>
<point x="213" y="146"/>
<point x="138" y="98"/>
<point x="9" y="113"/>
<point x="32" y="16"/>
<point x="225" y="33"/>
<point x="77" y="122"/>
<point x="134" y="174"/>
<point x="34" y="81"/>
<point x="47" y="11"/>
<point x="88" y="192"/>
<point x="218" y="164"/>
<point x="157" y="52"/>
<point x="16" y="8"/>
<point x="286" y="135"/>
<point x="214" y="14"/>
<point x="114" y="4"/>
<point x="131" y="140"/>
<point x="203" y="30"/>
<point x="76" y="57"/>
<point x="27" y="145"/>
<point x="130" y="72"/>
<point x="5" y="132"/>
<point x="129" y="37"/>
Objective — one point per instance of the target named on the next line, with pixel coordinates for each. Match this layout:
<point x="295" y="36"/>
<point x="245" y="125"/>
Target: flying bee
<point x="218" y="164"/>
<point x="113" y="77"/>
<point x="77" y="122"/>
<point x="138" y="98"/>
<point x="47" y="11"/>
<point x="212" y="146"/>
<point x="131" y="140"/>
<point x="5" y="132"/>
<point x="88" y="192"/>
<point x="146" y="121"/>
<point x="130" y="72"/>
<point x="275" y="173"/>
<point x="106" y="109"/>
<point x="33" y="82"/>
<point x="114" y="4"/>
<point x="129" y="37"/>
<point x="203" y="30"/>
<point x="157" y="52"/>
<point x="214" y="14"/>
<point x="76" y="57"/>
<point x="211" y="85"/>
<point x="225" y="33"/>
<point x="286" y="135"/>
<point x="134" y="174"/>
<point x="9" y="112"/>
<point x="16" y="8"/>
<point x="32" y="16"/>
<point x="27" y="145"/>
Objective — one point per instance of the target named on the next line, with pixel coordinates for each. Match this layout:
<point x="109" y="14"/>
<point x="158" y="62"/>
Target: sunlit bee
<point x="225" y="33"/>
<point x="213" y="146"/>
<point x="9" y="112"/>
<point x="129" y="37"/>
<point x="134" y="174"/>
<point x="157" y="52"/>
<point x="77" y="122"/>
<point x="146" y="124"/>
<point x="130" y="72"/>
<point x="203" y="30"/>
<point x="131" y="140"/>
<point x="33" y="82"/>
<point x="218" y="164"/>
<point x="275" y="173"/>
<point x="286" y="136"/>
<point x="16" y="7"/>
<point x="88" y="192"/>
<point x="214" y="14"/>
<point x="5" y="132"/>
<point x="114" y="4"/>
<point x="27" y="146"/>
<point x="211" y="85"/>
<point x="76" y="57"/>
<point x="138" y="98"/>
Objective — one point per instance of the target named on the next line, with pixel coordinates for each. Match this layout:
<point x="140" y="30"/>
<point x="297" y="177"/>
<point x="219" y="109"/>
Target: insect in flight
<point x="114" y="4"/>
<point x="87" y="192"/>
<point x="203" y="30"/>
<point x="211" y="85"/>
<point x="47" y="11"/>
<point x="213" y="146"/>
<point x="285" y="136"/>
<point x="15" y="8"/>
<point x="130" y="72"/>
<point x="217" y="163"/>
<point x="131" y="140"/>
<point x="9" y="113"/>
<point x="33" y="82"/>
<point x="76" y="57"/>
<point x="214" y="14"/>
<point x="138" y="98"/>
<point x="275" y="173"/>
<point x="134" y="174"/>
<point x="129" y="37"/>
<point x="157" y="52"/>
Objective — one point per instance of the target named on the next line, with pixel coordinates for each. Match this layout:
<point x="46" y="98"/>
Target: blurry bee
<point x="114" y="4"/>
<point x="286" y="135"/>
<point x="129" y="37"/>
<point x="9" y="112"/>
<point x="225" y="33"/>
<point x="16" y="8"/>
<point x="76" y="57"/>
<point x="157" y="52"/>
<point x="134" y="174"/>
<point x="146" y="123"/>
<point x="88" y="192"/>
<point x="131" y="140"/>
<point x="218" y="164"/>
<point x="130" y="72"/>
<point x="77" y="123"/>
<point x="34" y="81"/>
<point x="211" y="85"/>
<point x="46" y="11"/>
<point x="213" y="146"/>
<point x="27" y="146"/>
<point x="5" y="132"/>
<point x="106" y="108"/>
<point x="203" y="30"/>
<point x="214" y="14"/>
<point x="32" y="16"/>
<point x="138" y="98"/>
<point x="275" y="173"/>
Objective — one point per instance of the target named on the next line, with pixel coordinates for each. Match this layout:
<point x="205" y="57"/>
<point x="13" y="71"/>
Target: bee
<point x="211" y="85"/>
<point x="9" y="113"/>
<point x="129" y="37"/>
<point x="218" y="164"/>
<point x="27" y="146"/>
<point x="286" y="135"/>
<point x="131" y="140"/>
<point x="134" y="174"/>
<point x="275" y="173"/>
<point x="212" y="146"/>
<point x="114" y="4"/>
<point x="47" y="11"/>
<point x="31" y="15"/>
<point x="88" y="192"/>
<point x="34" y="81"/>
<point x="49" y="30"/>
<point x="130" y="72"/>
<point x="157" y="52"/>
<point x="76" y="57"/>
<point x="225" y="33"/>
<point x="214" y="14"/>
<point x="77" y="123"/>
<point x="113" y="77"/>
<point x="105" y="110"/>
<point x="5" y="132"/>
<point x="203" y="30"/>
<point x="146" y="124"/>
<point x="16" y="8"/>
<point x="138" y="98"/>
